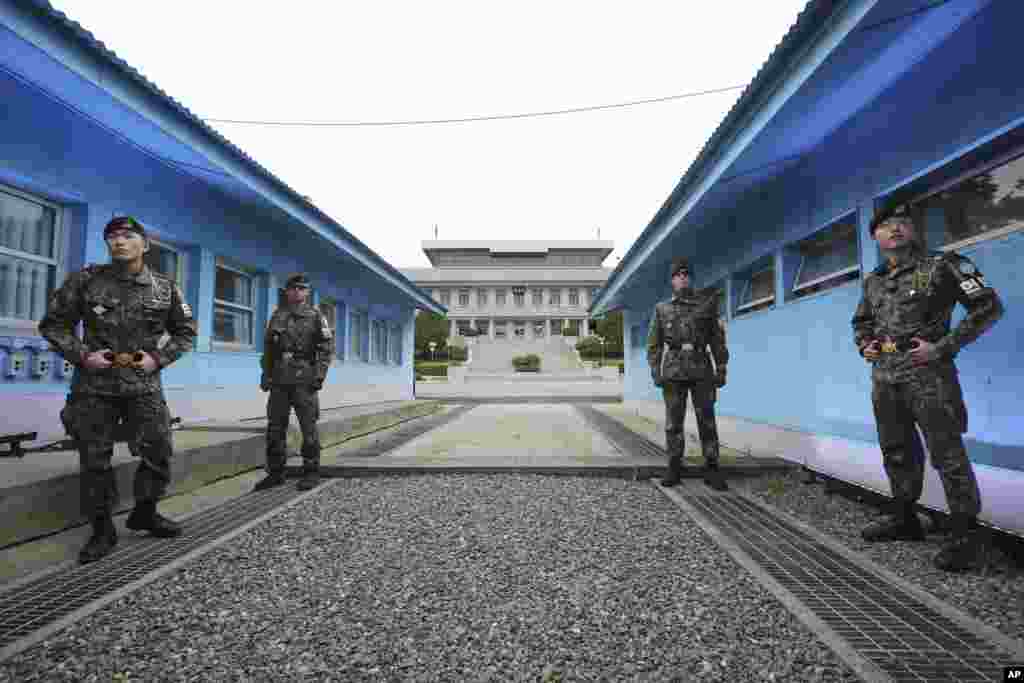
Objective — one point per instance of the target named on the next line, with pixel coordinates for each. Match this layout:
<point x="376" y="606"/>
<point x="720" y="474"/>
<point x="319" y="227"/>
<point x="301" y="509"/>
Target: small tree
<point x="609" y="326"/>
<point x="431" y="327"/>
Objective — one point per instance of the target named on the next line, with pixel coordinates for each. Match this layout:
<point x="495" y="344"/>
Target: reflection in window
<point x="28" y="269"/>
<point x="827" y="259"/>
<point x="989" y="201"/>
<point x="234" y="293"/>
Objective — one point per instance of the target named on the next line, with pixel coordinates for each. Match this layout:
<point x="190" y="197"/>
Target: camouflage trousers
<point x="704" y="394"/>
<point x="96" y="422"/>
<point x="932" y="400"/>
<point x="306" y="402"/>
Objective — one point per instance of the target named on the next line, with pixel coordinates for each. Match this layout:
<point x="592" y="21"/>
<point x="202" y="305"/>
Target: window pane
<point x="162" y="260"/>
<point x="26" y="226"/>
<point x="230" y="325"/>
<point x="828" y="251"/>
<point x="25" y="287"/>
<point x="233" y="287"/>
<point x="990" y="201"/>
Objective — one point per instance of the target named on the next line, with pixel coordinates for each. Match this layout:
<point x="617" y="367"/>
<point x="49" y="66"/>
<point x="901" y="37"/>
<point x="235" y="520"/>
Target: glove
<point x="264" y="384"/>
<point x="720" y="377"/>
<point x="317" y="386"/>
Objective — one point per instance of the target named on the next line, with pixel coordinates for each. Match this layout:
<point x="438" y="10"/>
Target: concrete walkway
<point x="507" y="435"/>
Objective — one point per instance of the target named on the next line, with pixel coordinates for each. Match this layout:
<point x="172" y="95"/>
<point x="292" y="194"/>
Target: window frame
<point x="57" y="261"/>
<point x="554" y="296"/>
<point x="574" y="296"/>
<point x="222" y="345"/>
<point x="464" y="292"/>
<point x="799" y="290"/>
<point x="519" y="297"/>
<point x="481" y="297"/>
<point x="499" y="297"/>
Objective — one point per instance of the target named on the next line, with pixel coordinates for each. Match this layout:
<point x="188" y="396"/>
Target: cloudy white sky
<point x="558" y="177"/>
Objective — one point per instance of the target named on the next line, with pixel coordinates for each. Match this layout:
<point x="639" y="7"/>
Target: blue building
<point x="83" y="137"/>
<point x="862" y="101"/>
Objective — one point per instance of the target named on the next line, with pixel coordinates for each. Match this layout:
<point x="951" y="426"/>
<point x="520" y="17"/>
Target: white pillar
<point x="490" y="328"/>
<point x="451" y="329"/>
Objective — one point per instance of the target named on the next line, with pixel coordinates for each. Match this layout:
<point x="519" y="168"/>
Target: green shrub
<point x="589" y="346"/>
<point x="433" y="370"/>
<point x="529" y="360"/>
<point x="457" y="353"/>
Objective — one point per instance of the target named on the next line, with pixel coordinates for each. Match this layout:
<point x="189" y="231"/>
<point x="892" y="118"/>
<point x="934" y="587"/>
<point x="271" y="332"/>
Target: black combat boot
<point x="270" y="481"/>
<point x="963" y="549"/>
<point x="713" y="477"/>
<point x="145" y="518"/>
<point x="902" y="526"/>
<point x="310" y="479"/>
<point x="675" y="471"/>
<point x="104" y="538"/>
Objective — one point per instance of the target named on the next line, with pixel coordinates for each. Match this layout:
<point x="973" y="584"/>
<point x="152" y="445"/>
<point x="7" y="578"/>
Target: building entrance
<point x="538" y="329"/>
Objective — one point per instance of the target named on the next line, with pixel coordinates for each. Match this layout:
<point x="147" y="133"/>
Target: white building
<point x="508" y="289"/>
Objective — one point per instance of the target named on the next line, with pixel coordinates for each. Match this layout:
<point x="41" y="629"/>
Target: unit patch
<point x="325" y="329"/>
<point x="972" y="284"/>
<point x="186" y="309"/>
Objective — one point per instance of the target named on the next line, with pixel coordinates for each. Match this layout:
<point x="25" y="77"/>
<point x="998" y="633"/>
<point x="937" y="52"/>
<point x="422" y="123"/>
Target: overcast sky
<point x="557" y="177"/>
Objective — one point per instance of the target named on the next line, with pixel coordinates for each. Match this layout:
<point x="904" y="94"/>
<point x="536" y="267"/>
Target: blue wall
<point x="57" y="149"/>
<point x="795" y="364"/>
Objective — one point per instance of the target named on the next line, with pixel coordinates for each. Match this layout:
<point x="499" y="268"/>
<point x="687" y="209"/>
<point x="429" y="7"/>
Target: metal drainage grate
<point x="904" y="637"/>
<point x="39" y="603"/>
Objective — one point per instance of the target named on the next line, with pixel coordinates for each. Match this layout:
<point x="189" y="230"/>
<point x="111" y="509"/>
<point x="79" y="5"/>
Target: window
<point x="463" y="297"/>
<point x="341" y="313"/>
<point x="482" y="326"/>
<point x="360" y="323"/>
<point x="29" y="234"/>
<point x="986" y="204"/>
<point x="499" y="329"/>
<point x="396" y="344"/>
<point x="329" y="310"/>
<point x="555" y="297"/>
<point x="538" y="297"/>
<point x="481" y="297"/>
<point x="446" y="297"/>
<point x="234" y="303"/>
<point x="574" y="296"/>
<point x="593" y="294"/>
<point x="519" y="296"/>
<point x="756" y="289"/>
<point x="378" y="342"/>
<point x="461" y="327"/>
<point x="499" y="297"/>
<point x="826" y="259"/>
<point x="556" y="325"/>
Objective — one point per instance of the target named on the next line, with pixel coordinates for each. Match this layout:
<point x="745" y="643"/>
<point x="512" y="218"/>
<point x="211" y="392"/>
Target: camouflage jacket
<point x="297" y="347"/>
<point x="124" y="313"/>
<point x="680" y="333"/>
<point x="916" y="298"/>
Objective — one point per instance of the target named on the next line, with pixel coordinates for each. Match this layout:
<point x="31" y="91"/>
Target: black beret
<point x="680" y="264"/>
<point x="123" y="223"/>
<point x="892" y="210"/>
<point x="297" y="280"/>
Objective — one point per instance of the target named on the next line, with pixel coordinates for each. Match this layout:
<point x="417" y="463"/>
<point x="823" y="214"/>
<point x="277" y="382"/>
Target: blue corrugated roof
<point x="810" y="20"/>
<point x="86" y="38"/>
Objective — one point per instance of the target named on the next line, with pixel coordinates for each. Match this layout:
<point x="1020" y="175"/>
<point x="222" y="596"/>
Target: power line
<point x="928" y="6"/>
<point x="473" y="119"/>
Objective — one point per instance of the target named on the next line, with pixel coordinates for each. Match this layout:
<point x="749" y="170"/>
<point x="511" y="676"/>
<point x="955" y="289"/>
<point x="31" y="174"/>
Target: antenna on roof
<point x="435" y="231"/>
<point x="599" y="232"/>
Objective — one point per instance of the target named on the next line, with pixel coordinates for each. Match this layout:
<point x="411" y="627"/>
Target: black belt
<point x="289" y="355"/>
<point x="682" y="347"/>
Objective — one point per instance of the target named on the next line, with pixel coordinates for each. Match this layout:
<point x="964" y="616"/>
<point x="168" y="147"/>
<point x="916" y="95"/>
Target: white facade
<point x="515" y="289"/>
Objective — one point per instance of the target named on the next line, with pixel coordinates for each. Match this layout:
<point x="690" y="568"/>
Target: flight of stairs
<point x="492" y="359"/>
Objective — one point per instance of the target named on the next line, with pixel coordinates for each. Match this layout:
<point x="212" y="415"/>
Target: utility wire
<point x="493" y="117"/>
<point x="554" y="112"/>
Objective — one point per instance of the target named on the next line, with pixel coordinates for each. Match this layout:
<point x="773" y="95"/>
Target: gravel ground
<point x="993" y="594"/>
<point x="450" y="578"/>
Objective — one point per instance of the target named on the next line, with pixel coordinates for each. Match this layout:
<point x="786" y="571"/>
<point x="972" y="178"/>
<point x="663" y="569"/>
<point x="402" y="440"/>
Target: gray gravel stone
<point x="450" y="578"/>
<point x="993" y="594"/>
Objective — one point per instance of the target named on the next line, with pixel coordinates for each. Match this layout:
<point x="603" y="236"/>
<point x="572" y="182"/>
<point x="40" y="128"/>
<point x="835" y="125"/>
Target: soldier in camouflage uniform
<point x="126" y="309"/>
<point x="297" y="352"/>
<point x="902" y="327"/>
<point x="677" y="351"/>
